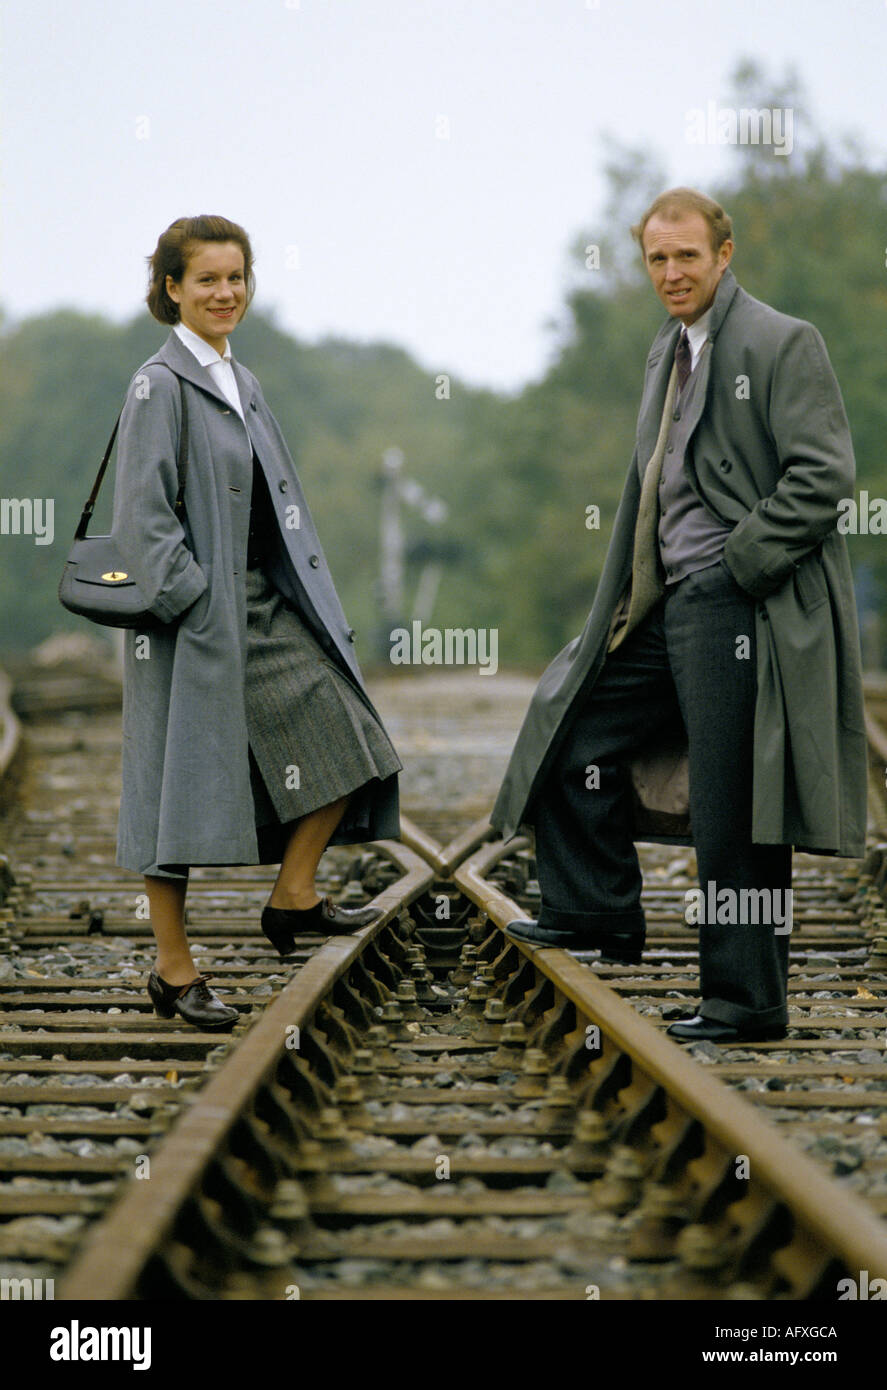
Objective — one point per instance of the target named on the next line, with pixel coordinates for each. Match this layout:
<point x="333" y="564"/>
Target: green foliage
<point x="517" y="474"/>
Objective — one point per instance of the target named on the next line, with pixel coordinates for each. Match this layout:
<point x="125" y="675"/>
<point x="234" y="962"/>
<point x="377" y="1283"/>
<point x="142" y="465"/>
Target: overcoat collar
<point x="724" y="295"/>
<point x="185" y="364"/>
<point x="667" y="337"/>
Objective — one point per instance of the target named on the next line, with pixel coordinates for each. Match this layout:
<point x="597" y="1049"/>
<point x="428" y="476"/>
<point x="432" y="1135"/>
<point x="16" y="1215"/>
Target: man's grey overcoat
<point x="770" y="455"/>
<point x="186" y="796"/>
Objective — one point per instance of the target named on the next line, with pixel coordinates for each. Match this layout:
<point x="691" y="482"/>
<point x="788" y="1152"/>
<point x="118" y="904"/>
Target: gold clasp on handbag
<point x="115" y="576"/>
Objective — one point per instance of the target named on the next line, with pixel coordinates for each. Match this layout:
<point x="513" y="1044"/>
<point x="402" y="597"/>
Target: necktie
<point x="683" y="358"/>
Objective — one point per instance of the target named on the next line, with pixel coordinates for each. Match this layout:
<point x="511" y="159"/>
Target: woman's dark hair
<point x="174" y="250"/>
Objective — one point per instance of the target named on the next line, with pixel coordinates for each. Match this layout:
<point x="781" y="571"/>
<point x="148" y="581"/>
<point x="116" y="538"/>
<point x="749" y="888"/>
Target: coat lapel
<point x="244" y="386"/>
<point x="185" y="364"/>
<point x="646" y="577"/>
<point x="724" y="295"/>
<point x="722" y="301"/>
<point x="659" y="365"/>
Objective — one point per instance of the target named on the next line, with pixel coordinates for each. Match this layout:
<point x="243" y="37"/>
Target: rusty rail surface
<point x="822" y="1215"/>
<point x="655" y="1121"/>
<point x="119" y="1248"/>
<point x="633" y="1188"/>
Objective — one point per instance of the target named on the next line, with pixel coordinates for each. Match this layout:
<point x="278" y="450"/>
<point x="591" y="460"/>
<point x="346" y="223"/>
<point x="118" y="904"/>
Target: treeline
<point x="517" y="474"/>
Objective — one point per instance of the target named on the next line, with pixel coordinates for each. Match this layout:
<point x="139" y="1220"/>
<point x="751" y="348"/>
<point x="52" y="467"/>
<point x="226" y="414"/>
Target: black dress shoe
<point x="196" y="1003"/>
<point x="621" y="948"/>
<point x="700" y="1029"/>
<point x="326" y="918"/>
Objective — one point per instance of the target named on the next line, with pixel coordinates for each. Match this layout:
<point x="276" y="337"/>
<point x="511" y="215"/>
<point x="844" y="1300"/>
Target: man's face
<point x="682" y="265"/>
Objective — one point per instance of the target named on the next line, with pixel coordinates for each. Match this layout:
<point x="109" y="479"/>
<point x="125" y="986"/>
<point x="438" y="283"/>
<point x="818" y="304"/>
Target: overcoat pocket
<point x="812" y="588"/>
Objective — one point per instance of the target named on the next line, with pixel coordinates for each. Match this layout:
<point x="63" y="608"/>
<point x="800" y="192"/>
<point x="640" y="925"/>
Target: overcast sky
<point x="412" y="170"/>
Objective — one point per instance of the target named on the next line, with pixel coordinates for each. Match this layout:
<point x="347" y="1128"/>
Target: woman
<point x="247" y="734"/>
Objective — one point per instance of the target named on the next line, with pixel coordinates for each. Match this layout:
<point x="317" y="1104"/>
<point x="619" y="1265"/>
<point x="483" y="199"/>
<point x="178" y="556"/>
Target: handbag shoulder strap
<point x="181" y="462"/>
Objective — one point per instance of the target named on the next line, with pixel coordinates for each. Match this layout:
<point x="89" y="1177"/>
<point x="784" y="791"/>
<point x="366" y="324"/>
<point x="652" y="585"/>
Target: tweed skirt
<point x="312" y="739"/>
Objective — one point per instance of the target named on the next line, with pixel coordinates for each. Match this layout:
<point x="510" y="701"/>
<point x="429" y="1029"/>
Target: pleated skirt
<point x="312" y="738"/>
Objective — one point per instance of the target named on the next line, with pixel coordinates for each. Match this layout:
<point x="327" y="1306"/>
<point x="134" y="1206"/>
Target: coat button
<point x="282" y="485"/>
<point x="314" y="561"/>
<point x="725" y="465"/>
<point x="677" y="415"/>
<point x="351" y="634"/>
<point x="670" y="449"/>
<point x="252" y="405"/>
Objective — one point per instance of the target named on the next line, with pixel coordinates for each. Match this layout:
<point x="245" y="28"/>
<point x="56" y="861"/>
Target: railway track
<point x="425" y="1109"/>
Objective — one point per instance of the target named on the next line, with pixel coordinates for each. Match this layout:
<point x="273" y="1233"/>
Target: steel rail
<point x="445" y="858"/>
<point x="843" y="1223"/>
<point x="422" y="844"/>
<point x="117" y="1248"/>
<point x="120" y="1246"/>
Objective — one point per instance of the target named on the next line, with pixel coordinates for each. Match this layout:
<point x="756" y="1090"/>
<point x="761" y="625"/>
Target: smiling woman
<point x="212" y="293"/>
<point x="248" y="736"/>
<point x="202" y="275"/>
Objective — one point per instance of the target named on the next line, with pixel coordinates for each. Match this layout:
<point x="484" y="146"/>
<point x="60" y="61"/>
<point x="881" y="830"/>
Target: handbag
<point x="95" y="583"/>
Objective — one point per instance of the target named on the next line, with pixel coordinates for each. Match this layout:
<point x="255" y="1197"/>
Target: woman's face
<point x="211" y="294"/>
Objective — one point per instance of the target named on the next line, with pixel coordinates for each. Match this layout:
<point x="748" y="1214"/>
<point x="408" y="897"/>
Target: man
<point x="724" y="620"/>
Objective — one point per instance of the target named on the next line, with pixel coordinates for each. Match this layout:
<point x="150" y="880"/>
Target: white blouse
<point x="218" y="366"/>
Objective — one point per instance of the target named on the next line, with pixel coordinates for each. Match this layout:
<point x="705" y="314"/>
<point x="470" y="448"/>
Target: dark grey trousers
<point x="681" y="661"/>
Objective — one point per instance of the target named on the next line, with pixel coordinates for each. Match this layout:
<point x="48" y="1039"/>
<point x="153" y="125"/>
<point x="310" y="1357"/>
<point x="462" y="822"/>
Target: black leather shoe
<point x="700" y="1029"/>
<point x="326" y="918"/>
<point x="196" y="1003"/>
<point x="621" y="948"/>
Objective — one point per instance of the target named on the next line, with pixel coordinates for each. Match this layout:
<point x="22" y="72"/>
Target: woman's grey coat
<point x="186" y="796"/>
<point x="769" y="454"/>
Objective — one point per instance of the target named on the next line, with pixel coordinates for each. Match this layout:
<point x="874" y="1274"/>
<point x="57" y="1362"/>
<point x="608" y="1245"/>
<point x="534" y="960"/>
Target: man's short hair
<point x="675" y="203"/>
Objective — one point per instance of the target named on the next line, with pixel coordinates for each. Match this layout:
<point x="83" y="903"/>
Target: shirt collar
<point x="698" y="331"/>
<point x="205" y="354"/>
